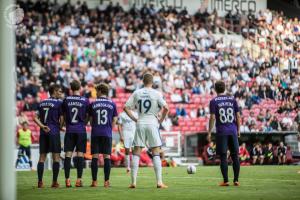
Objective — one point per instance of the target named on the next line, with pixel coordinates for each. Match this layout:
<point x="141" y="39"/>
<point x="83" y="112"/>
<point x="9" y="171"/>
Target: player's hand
<point x="63" y="129"/>
<point x="122" y="139"/>
<point x="160" y="121"/>
<point x="208" y="137"/>
<point x="46" y="129"/>
<point x="239" y="134"/>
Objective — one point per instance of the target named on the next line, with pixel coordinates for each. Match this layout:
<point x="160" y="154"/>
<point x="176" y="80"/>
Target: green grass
<point x="257" y="182"/>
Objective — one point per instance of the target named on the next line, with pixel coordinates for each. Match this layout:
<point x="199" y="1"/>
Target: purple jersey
<point x="75" y="109"/>
<point x="49" y="112"/>
<point x="102" y="111"/>
<point x="225" y="109"/>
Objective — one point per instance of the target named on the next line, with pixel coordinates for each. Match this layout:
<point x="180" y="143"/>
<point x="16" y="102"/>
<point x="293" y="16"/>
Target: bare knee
<point x="56" y="157"/>
<point x="69" y="154"/>
<point x="42" y="157"/>
<point x="80" y="154"/>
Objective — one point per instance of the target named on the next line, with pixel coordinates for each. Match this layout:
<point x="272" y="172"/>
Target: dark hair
<point x="220" y="87"/>
<point x="75" y="85"/>
<point x="147" y="78"/>
<point x="53" y="88"/>
<point x="103" y="88"/>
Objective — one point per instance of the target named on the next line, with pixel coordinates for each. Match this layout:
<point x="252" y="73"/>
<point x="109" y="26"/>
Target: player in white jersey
<point x="148" y="103"/>
<point x="126" y="128"/>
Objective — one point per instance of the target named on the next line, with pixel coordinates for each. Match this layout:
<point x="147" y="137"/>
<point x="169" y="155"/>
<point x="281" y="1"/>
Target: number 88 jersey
<point x="225" y="108"/>
<point x="148" y="102"/>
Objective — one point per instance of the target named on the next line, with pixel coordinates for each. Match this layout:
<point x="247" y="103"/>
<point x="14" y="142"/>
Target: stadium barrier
<point x="194" y="143"/>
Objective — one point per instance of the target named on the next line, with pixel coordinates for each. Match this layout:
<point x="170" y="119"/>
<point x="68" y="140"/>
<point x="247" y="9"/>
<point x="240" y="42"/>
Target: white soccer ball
<point x="191" y="169"/>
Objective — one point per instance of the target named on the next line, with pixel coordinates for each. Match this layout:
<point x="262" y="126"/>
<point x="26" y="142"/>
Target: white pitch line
<point x="207" y="177"/>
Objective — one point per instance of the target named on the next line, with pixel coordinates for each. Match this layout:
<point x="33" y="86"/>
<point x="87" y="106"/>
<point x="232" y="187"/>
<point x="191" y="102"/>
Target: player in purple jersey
<point x="75" y="109"/>
<point x="103" y="116"/>
<point x="49" y="118"/>
<point x="224" y="111"/>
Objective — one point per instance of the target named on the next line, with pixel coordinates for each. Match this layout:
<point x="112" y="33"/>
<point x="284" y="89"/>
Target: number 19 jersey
<point x="225" y="109"/>
<point x="148" y="102"/>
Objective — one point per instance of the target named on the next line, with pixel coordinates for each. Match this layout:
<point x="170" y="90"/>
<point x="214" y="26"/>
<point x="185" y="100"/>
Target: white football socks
<point x="127" y="161"/>
<point x="134" y="168"/>
<point x="157" y="169"/>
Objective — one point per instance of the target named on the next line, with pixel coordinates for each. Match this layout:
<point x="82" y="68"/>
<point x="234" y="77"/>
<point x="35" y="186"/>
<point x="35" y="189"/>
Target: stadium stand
<point x="66" y="42"/>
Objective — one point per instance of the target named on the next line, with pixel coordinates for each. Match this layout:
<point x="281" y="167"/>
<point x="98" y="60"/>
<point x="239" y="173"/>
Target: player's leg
<point x="106" y="146"/>
<point x="44" y="149"/>
<point x="127" y="159"/>
<point x="55" y="148"/>
<point x="55" y="169"/>
<point x="128" y="140"/>
<point x="221" y="145"/>
<point x="138" y="143"/>
<point x="154" y="140"/>
<point x="135" y="165"/>
<point x="106" y="168"/>
<point x="20" y="153"/>
<point x="40" y="169"/>
<point x="68" y="147"/>
<point x="28" y="154"/>
<point x="95" y="147"/>
<point x="81" y="149"/>
<point x="233" y="144"/>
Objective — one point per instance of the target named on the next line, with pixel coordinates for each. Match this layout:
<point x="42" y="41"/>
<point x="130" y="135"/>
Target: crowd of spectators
<point x="66" y="42"/>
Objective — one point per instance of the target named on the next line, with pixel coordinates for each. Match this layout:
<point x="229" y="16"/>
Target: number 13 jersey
<point x="102" y="111"/>
<point x="225" y="109"/>
<point x="148" y="102"/>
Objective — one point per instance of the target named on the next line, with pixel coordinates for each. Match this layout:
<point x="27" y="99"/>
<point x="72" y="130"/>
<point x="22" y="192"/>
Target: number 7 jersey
<point x="225" y="109"/>
<point x="148" y="102"/>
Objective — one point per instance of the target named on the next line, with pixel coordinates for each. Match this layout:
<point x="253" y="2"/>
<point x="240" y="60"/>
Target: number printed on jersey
<point x="144" y="105"/>
<point x="226" y="115"/>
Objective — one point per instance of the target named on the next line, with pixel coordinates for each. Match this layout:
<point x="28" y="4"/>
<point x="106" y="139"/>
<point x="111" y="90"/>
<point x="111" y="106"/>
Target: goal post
<point x="7" y="103"/>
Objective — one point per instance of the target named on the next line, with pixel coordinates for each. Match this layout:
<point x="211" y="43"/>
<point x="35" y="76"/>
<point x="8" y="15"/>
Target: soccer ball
<point x="191" y="169"/>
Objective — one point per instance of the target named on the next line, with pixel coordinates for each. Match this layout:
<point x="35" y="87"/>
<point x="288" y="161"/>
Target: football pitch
<point x="257" y="182"/>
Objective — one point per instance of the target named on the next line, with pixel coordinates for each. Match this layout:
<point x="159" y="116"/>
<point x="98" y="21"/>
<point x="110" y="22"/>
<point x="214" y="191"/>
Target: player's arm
<point x="212" y="120"/>
<point x="165" y="111"/>
<point x="129" y="113"/>
<point x="165" y="108"/>
<point x="238" y="117"/>
<point x="120" y="130"/>
<point x="238" y="123"/>
<point x="129" y="106"/>
<point x="40" y="124"/>
<point x="62" y="120"/>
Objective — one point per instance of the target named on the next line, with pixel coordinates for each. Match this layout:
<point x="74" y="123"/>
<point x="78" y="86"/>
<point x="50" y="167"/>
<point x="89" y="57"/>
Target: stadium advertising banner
<point x="222" y="6"/>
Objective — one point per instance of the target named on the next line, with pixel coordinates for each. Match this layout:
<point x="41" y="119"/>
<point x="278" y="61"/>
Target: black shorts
<point x="101" y="145"/>
<point x="73" y="140"/>
<point x="25" y="150"/>
<point x="225" y="142"/>
<point x="50" y="143"/>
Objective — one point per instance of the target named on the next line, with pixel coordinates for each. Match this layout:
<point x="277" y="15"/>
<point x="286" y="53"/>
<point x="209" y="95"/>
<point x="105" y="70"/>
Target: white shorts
<point x="128" y="138"/>
<point x="147" y="135"/>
